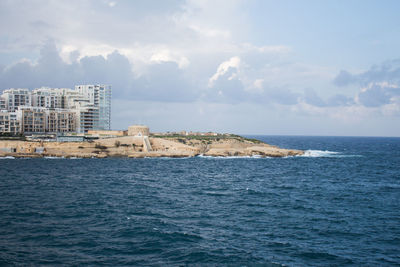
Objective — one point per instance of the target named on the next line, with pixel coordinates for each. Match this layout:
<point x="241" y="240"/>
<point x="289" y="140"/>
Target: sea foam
<point x="231" y="157"/>
<point x="325" y="154"/>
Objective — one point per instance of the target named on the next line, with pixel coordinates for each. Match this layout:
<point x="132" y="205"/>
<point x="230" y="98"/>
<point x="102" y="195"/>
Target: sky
<point x="246" y="67"/>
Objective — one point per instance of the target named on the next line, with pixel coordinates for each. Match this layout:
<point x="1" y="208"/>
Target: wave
<point x="232" y="157"/>
<point x="7" y="157"/>
<point x="164" y="158"/>
<point x="325" y="154"/>
<point x="307" y="154"/>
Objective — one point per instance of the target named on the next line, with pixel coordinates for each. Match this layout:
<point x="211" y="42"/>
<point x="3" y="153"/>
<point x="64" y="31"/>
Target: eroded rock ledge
<point x="134" y="147"/>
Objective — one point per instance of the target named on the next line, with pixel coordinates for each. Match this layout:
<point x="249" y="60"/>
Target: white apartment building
<point x="100" y="97"/>
<point x="16" y="97"/>
<point x="2" y="104"/>
<point x="45" y="109"/>
<point x="87" y="114"/>
<point x="87" y="117"/>
<point x="49" y="97"/>
<point x="9" y="122"/>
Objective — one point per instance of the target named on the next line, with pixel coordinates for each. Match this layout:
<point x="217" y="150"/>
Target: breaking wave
<point x="7" y="157"/>
<point x="325" y="154"/>
<point x="231" y="157"/>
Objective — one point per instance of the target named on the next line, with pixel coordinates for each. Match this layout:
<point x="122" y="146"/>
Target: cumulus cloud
<point x="180" y="52"/>
<point x="344" y="78"/>
<point x="174" y="50"/>
<point x="164" y="81"/>
<point x="378" y="94"/>
<point x="166" y="56"/>
<point x="231" y="64"/>
<point x="379" y="86"/>
<point x="167" y="81"/>
<point x="388" y="71"/>
<point x="257" y="86"/>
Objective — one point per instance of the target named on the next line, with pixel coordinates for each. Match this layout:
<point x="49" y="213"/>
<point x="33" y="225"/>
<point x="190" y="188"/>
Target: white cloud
<point x="256" y="86"/>
<point x="183" y="52"/>
<point x="166" y="56"/>
<point x="376" y="94"/>
<point x="233" y="62"/>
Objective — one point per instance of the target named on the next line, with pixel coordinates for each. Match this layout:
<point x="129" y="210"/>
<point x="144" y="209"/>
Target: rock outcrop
<point x="133" y="147"/>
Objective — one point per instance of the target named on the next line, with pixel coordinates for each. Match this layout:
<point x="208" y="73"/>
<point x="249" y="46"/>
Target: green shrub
<point x="98" y="146"/>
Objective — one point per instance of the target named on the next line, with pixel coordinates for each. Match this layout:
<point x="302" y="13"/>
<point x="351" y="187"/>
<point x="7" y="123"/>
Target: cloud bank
<point x="192" y="60"/>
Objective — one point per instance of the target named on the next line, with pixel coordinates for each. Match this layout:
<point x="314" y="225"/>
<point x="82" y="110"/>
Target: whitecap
<point x="231" y="157"/>
<point x="325" y="154"/>
<point x="7" y="157"/>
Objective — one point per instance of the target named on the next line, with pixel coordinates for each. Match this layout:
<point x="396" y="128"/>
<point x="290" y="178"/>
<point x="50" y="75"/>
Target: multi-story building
<point x="3" y="105"/>
<point x="44" y="120"/>
<point x="33" y="119"/>
<point x="16" y="97"/>
<point x="9" y="122"/>
<point x="87" y="115"/>
<point x="100" y="97"/>
<point x="60" y="121"/>
<point x="53" y="110"/>
<point x="48" y="97"/>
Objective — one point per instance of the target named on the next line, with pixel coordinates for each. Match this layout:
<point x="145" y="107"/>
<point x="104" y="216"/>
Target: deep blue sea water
<point x="338" y="205"/>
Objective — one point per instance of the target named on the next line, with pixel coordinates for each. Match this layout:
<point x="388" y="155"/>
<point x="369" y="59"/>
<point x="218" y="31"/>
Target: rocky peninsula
<point x="143" y="146"/>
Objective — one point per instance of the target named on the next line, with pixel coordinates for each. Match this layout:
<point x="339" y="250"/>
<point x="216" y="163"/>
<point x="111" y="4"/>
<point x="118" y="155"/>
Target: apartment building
<point x="100" y="97"/>
<point x="87" y="115"/>
<point x="16" y="97"/>
<point x="87" y="107"/>
<point x="61" y="121"/>
<point x="9" y="122"/>
<point x="2" y="104"/>
<point x="48" y="97"/>
<point x="32" y="119"/>
<point x="44" y="120"/>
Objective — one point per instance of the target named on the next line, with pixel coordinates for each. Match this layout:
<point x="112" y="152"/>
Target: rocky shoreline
<point x="138" y="147"/>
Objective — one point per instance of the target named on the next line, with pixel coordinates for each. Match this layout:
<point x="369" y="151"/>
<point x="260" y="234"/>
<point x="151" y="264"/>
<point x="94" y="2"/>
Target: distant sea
<point x="338" y="205"/>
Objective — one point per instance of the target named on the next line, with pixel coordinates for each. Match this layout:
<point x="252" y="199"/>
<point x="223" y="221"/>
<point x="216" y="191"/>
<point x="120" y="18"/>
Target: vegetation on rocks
<point x="131" y="146"/>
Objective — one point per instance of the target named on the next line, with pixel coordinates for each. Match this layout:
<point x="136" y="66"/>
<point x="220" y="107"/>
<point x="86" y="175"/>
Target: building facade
<point x="48" y="97"/>
<point x="44" y="120"/>
<point x="2" y="104"/>
<point x="9" y="123"/>
<point x="56" y="110"/>
<point x="14" y="98"/>
<point x="100" y="97"/>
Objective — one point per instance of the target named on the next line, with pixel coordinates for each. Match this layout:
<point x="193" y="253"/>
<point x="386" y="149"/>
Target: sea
<point x="338" y="205"/>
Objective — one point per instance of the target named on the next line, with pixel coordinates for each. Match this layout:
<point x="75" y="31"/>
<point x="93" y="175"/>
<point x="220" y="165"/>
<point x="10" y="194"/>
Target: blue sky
<point x="338" y="33"/>
<point x="248" y="67"/>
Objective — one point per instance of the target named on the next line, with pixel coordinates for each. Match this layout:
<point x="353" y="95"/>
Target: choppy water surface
<point x="338" y="205"/>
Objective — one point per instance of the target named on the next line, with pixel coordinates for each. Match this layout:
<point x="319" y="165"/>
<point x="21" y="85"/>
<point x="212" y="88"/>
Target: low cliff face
<point x="129" y="146"/>
<point x="235" y="146"/>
